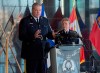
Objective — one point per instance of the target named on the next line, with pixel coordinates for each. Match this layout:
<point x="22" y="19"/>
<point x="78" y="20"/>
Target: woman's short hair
<point x="65" y="19"/>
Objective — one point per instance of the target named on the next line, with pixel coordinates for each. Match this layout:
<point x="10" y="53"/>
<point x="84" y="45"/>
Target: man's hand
<point x="38" y="34"/>
<point x="54" y="34"/>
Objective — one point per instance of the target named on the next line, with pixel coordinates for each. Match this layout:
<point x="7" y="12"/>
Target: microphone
<point x="76" y="35"/>
<point x="39" y="28"/>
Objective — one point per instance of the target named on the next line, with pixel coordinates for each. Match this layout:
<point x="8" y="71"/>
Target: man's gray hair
<point x="36" y="4"/>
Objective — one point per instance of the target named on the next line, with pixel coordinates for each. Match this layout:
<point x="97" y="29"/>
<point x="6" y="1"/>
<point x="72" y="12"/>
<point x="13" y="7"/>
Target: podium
<point x="65" y="59"/>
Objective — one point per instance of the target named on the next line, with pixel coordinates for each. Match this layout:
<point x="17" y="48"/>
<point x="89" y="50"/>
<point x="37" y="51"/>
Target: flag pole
<point x="27" y="2"/>
<point x="19" y="3"/>
<point x="24" y="66"/>
<point x="76" y="3"/>
<point x="6" y="58"/>
<point x="59" y="2"/>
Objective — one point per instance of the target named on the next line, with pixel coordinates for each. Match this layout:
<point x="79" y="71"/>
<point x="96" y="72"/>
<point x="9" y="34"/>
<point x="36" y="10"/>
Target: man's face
<point x="36" y="11"/>
<point x="65" y="25"/>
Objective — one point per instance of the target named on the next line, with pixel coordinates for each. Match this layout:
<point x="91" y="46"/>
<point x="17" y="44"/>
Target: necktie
<point x="37" y="20"/>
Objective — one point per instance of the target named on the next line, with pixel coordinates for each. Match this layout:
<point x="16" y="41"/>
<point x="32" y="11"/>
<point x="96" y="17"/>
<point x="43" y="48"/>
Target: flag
<point x="81" y="24"/>
<point x="16" y="42"/>
<point x="27" y="11"/>
<point x="43" y="11"/>
<point x="10" y="23"/>
<point x="15" y="39"/>
<point x="55" y="23"/>
<point x="85" y="36"/>
<point x="12" y="19"/>
<point x="95" y="34"/>
<point x="19" y="17"/>
<point x="74" y="23"/>
<point x="82" y="56"/>
<point x="75" y="26"/>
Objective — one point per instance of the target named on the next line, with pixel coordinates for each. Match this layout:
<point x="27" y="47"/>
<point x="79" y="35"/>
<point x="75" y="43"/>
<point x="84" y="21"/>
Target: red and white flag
<point x="75" y="26"/>
<point x="74" y="22"/>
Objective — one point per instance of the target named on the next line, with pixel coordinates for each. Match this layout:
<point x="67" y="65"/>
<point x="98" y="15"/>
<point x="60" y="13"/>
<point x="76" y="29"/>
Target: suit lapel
<point x="32" y="20"/>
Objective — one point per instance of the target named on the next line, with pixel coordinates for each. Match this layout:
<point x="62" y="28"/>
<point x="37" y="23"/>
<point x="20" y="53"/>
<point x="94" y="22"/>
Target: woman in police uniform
<point x="66" y="36"/>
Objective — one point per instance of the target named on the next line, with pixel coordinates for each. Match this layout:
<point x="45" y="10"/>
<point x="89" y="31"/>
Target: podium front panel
<point x="65" y="59"/>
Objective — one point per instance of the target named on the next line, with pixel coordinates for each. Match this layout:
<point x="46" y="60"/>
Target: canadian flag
<point x="73" y="21"/>
<point x="75" y="26"/>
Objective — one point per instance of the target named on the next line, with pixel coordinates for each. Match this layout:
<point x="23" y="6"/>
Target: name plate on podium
<point x="65" y="59"/>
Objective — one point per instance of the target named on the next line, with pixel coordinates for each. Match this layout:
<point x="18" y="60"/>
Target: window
<point x="94" y="3"/>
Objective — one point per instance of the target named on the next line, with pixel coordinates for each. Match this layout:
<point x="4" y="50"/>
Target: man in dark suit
<point x="66" y="36"/>
<point x="33" y="32"/>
